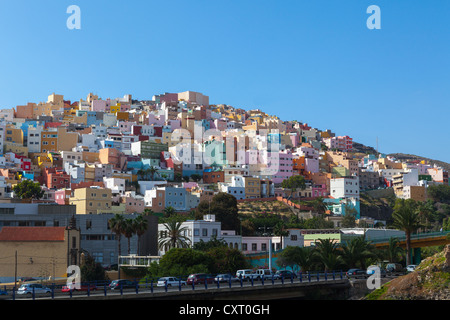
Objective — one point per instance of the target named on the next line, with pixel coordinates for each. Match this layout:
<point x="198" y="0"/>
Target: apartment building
<point x="89" y="200"/>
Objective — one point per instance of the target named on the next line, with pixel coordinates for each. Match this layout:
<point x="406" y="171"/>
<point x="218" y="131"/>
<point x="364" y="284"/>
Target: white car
<point x="411" y="267"/>
<point x="170" y="281"/>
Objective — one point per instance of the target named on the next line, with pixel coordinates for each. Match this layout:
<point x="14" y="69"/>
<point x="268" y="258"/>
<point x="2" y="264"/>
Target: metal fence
<point x="147" y="285"/>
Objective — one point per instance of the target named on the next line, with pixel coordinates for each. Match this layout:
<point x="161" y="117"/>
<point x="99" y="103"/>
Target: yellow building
<point x="66" y="140"/>
<point x="41" y="251"/>
<point x="13" y="135"/>
<point x="90" y="200"/>
<point x="16" y="148"/>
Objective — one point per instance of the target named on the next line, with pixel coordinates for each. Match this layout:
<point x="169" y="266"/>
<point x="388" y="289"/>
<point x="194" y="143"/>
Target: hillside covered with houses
<point x="95" y="158"/>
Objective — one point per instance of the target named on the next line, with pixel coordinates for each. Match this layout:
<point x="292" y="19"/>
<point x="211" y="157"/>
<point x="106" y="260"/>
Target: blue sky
<point x="312" y="61"/>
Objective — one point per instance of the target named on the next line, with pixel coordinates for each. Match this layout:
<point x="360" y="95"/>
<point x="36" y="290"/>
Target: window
<point x="204" y="232"/>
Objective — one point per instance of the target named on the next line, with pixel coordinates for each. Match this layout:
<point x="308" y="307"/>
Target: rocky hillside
<point x="430" y="281"/>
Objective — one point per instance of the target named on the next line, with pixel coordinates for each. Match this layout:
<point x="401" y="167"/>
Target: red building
<point x="56" y="178"/>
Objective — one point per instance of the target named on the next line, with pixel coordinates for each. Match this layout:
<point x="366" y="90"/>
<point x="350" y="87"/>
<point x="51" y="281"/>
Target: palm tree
<point x="174" y="236"/>
<point x="140" y="226"/>
<point x="425" y="210"/>
<point x="393" y="250"/>
<point x="128" y="232"/>
<point x="326" y="252"/>
<point x="117" y="224"/>
<point x="168" y="211"/>
<point x="357" y="251"/>
<point x="280" y="230"/>
<point x="304" y="258"/>
<point x="406" y="218"/>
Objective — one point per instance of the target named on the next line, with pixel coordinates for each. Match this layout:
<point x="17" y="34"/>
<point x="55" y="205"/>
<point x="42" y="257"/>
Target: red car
<point x="83" y="287"/>
<point x="199" y="278"/>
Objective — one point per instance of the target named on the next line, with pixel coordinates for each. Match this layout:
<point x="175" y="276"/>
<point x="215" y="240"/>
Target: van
<point x="265" y="273"/>
<point x="247" y="274"/>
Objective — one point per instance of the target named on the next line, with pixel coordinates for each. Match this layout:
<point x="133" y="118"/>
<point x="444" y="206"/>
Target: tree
<point x="181" y="262"/>
<point x="177" y="177"/>
<point x="393" y="251"/>
<point x="425" y="211"/>
<point x="128" y="232"/>
<point x="326" y="253"/>
<point x="140" y="226"/>
<point x="224" y="207"/>
<point x="319" y="205"/>
<point x="168" y="211"/>
<point x="297" y="256"/>
<point x="280" y="230"/>
<point x="293" y="183"/>
<point x="196" y="177"/>
<point x="91" y="270"/>
<point x="439" y="192"/>
<point x="173" y="236"/>
<point x="226" y="260"/>
<point x="406" y="218"/>
<point x="348" y="220"/>
<point x="357" y="251"/>
<point x="27" y="189"/>
<point x="212" y="243"/>
<point x="117" y="225"/>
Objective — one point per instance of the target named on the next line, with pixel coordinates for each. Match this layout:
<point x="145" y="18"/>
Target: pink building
<point x="133" y="205"/>
<point x="62" y="196"/>
<point x="342" y="143"/>
<point x="279" y="166"/>
<point x="319" y="190"/>
<point x="99" y="105"/>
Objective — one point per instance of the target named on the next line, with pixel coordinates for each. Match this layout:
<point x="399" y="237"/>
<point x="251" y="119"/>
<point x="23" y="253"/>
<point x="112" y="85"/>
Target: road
<point x="148" y="288"/>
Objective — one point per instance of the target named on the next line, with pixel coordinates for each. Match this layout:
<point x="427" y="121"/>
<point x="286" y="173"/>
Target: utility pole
<point x="15" y="270"/>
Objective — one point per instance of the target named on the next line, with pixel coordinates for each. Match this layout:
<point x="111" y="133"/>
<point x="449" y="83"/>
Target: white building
<point x="203" y="230"/>
<point x="346" y="187"/>
<point x="262" y="244"/>
<point x="236" y="187"/>
<point x="33" y="139"/>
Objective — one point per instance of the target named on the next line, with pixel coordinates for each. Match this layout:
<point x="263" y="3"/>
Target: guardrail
<point x="147" y="285"/>
<point x="414" y="236"/>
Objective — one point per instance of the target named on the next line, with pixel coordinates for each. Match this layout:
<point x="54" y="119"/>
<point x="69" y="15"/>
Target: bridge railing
<point x="147" y="285"/>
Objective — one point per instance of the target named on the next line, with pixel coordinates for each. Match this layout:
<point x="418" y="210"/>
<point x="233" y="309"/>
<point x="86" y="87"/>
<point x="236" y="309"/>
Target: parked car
<point x="394" y="267"/>
<point x="285" y="274"/>
<point x="247" y="275"/>
<point x="356" y="273"/>
<point x="122" y="283"/>
<point x="200" y="278"/>
<point x="38" y="289"/>
<point x="170" y="281"/>
<point x="411" y="267"/>
<point x="83" y="287"/>
<point x="225" y="277"/>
